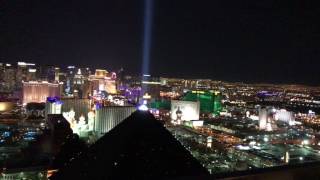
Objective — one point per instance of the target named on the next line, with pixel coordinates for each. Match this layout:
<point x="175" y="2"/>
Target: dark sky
<point x="241" y="40"/>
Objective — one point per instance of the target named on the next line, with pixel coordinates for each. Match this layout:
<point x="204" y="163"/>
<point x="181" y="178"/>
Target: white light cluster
<point x="190" y="110"/>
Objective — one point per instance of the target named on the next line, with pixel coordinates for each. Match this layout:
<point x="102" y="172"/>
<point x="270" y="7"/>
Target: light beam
<point x="148" y="13"/>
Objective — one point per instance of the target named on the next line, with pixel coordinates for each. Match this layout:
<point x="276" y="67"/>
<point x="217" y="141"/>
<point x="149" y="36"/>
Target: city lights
<point x="159" y="90"/>
<point x="212" y="123"/>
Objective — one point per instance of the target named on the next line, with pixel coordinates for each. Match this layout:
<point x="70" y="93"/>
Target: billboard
<point x="185" y="110"/>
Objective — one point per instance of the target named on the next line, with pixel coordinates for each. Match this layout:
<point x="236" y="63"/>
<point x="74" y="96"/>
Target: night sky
<point x="242" y="40"/>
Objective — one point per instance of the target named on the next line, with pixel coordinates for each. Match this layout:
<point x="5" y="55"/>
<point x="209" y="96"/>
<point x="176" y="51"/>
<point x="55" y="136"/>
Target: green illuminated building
<point x="161" y="104"/>
<point x="210" y="102"/>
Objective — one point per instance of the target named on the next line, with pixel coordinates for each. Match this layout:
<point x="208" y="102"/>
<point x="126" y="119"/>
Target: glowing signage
<point x="185" y="110"/>
<point x="32" y="70"/>
<point x="146" y="96"/>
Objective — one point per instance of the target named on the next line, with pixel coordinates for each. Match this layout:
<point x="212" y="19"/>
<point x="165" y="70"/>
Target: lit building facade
<point x="69" y="80"/>
<point x="284" y="116"/>
<point x="185" y="110"/>
<point x="263" y="116"/>
<point x="266" y="119"/>
<point x="8" y="78"/>
<point x="79" y="106"/>
<point x="34" y="91"/>
<point x="210" y="102"/>
<point x="109" y="116"/>
<point x="32" y="74"/>
<point x="53" y="106"/>
<point x="56" y="74"/>
<point x="6" y="106"/>
<point x="22" y="72"/>
<point x="102" y="80"/>
<point x="81" y="84"/>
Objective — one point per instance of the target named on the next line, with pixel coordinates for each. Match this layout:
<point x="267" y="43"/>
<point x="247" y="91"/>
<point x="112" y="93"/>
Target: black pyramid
<point x="138" y="148"/>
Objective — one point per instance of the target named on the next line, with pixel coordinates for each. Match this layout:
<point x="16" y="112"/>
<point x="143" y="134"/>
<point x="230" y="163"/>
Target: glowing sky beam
<point x="148" y="13"/>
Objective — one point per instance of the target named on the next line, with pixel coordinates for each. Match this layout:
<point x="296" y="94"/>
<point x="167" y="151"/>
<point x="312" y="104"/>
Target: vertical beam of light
<point x="148" y="12"/>
<point x="147" y="32"/>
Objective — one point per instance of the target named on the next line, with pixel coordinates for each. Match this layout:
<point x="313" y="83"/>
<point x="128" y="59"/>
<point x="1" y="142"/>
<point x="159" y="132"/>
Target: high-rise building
<point x="47" y="73"/>
<point x="284" y="116"/>
<point x="56" y="74"/>
<point x="9" y="78"/>
<point x="35" y="91"/>
<point x="32" y="74"/>
<point x="217" y="106"/>
<point x="109" y="116"/>
<point x="210" y="102"/>
<point x="102" y="80"/>
<point x="263" y="117"/>
<point x="120" y="78"/>
<point x="86" y="72"/>
<point x="22" y="73"/>
<point x="69" y="80"/>
<point x="81" y="84"/>
<point x="79" y="106"/>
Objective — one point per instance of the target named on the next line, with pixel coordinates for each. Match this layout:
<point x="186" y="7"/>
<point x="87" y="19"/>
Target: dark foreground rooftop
<point x="138" y="148"/>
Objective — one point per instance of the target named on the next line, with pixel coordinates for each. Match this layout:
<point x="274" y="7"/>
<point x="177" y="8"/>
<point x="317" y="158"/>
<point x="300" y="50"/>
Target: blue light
<point x="6" y="134"/>
<point x="28" y="138"/>
<point x="58" y="102"/>
<point x="98" y="105"/>
<point x="30" y="133"/>
<point x="143" y="107"/>
<point x="53" y="99"/>
<point x="148" y="11"/>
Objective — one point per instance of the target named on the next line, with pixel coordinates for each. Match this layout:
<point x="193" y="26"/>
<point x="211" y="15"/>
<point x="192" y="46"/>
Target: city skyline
<point x="153" y="89"/>
<point x="159" y="89"/>
<point x="265" y="41"/>
<point x="39" y="70"/>
<point x="224" y="128"/>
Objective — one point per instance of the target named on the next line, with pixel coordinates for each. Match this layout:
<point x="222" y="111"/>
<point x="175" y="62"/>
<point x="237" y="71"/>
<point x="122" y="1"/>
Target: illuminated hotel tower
<point x="110" y="116"/>
<point x="22" y="72"/>
<point x="102" y="80"/>
<point x="34" y="91"/>
<point x="263" y="115"/>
